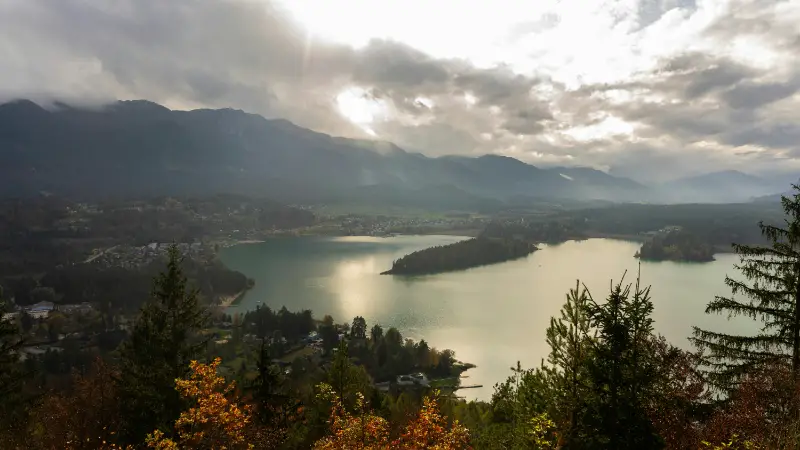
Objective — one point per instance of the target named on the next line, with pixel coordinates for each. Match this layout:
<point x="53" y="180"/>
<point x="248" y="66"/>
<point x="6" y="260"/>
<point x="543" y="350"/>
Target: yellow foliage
<point x="732" y="444"/>
<point x="347" y="431"/>
<point x="365" y="431"/>
<point x="430" y="430"/>
<point x="540" y="431"/>
<point x="215" y="422"/>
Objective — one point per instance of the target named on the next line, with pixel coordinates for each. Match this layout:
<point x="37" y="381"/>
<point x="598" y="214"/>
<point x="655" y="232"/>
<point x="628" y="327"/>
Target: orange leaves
<point x="430" y="430"/>
<point x="762" y="410"/>
<point x="85" y="417"/>
<point x="366" y="431"/>
<point x="362" y="431"/>
<point x="214" y="422"/>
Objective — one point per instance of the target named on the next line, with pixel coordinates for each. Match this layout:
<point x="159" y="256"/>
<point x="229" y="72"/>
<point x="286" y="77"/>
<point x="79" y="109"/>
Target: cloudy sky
<point x="651" y="89"/>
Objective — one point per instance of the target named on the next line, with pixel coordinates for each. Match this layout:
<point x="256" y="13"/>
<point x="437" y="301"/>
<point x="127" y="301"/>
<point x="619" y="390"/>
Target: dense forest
<point x="460" y="255"/>
<point x="675" y="245"/>
<point x="550" y="232"/>
<point x="716" y="225"/>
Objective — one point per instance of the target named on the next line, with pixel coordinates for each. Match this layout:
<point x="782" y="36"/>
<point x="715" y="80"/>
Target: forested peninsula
<point x="676" y="245"/>
<point x="461" y="255"/>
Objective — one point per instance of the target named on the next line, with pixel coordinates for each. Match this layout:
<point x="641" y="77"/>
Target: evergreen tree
<point x="11" y="375"/>
<point x="772" y="297"/>
<point x="569" y="338"/>
<point x="273" y="406"/>
<point x="266" y="384"/>
<point x="345" y="378"/>
<point x="376" y="334"/>
<point x="524" y="396"/>
<point x="162" y="344"/>
<point x="621" y="374"/>
<point x="359" y="328"/>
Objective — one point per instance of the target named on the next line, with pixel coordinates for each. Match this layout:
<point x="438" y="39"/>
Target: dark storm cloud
<point x="392" y="64"/>
<point x="755" y="95"/>
<point x="190" y="50"/>
<point x="777" y="136"/>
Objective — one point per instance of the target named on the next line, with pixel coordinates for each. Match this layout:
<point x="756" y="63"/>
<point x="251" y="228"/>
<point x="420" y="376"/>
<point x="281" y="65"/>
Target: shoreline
<point x="227" y="301"/>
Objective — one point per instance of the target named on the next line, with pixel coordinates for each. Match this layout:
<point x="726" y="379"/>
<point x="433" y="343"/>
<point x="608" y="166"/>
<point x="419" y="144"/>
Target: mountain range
<point x="134" y="148"/>
<point x="720" y="187"/>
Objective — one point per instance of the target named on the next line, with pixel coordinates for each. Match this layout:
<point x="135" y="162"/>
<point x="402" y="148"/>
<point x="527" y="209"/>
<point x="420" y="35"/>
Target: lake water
<point x="491" y="316"/>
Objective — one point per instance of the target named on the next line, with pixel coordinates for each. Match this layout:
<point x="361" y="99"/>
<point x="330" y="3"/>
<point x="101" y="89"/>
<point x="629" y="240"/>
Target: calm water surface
<point x="491" y="316"/>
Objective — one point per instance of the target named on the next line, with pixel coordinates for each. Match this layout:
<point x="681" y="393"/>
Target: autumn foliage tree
<point x="84" y="417"/>
<point x="359" y="430"/>
<point x="430" y="429"/>
<point x="215" y="421"/>
<point x="679" y="401"/>
<point x="363" y="430"/>
<point x="761" y="411"/>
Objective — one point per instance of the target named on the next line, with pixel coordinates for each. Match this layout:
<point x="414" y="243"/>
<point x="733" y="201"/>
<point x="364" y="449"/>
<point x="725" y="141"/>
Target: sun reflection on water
<point x="356" y="283"/>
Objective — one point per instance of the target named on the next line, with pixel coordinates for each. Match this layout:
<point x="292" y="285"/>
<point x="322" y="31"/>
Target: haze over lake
<point x="491" y="316"/>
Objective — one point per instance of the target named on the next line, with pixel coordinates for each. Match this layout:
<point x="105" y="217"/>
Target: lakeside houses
<point x="39" y="310"/>
<point x="133" y="257"/>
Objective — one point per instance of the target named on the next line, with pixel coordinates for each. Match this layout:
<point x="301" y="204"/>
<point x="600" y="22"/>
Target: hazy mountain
<point x="138" y="147"/>
<point x="718" y="187"/>
<point x="772" y="198"/>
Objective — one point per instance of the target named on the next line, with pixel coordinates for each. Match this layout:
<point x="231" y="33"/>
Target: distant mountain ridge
<point x="721" y="186"/>
<point x="138" y="147"/>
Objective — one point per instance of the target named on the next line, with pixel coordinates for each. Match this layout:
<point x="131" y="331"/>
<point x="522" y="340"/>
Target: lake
<point x="490" y="316"/>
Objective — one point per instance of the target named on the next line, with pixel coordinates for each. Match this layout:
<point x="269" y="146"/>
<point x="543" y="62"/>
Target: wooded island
<point x="461" y="255"/>
<point x="676" y="245"/>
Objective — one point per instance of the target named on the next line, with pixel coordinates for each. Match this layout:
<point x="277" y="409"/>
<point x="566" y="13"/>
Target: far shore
<point x="230" y="300"/>
<point x="249" y="241"/>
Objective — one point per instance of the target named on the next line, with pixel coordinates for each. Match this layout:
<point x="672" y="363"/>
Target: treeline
<point x="118" y="289"/>
<point x="550" y="232"/>
<point x="676" y="245"/>
<point x="461" y="255"/>
<point x="718" y="225"/>
<point x="384" y="355"/>
<point x="40" y="233"/>
<point x="187" y="219"/>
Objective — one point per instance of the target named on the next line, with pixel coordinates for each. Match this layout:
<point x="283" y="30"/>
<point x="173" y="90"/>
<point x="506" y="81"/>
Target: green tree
<point x="359" y="328"/>
<point x="394" y="340"/>
<point x="237" y="329"/>
<point x="330" y="337"/>
<point x="345" y="378"/>
<point x="376" y="334"/>
<point x="525" y="395"/>
<point x="570" y="339"/>
<point x="55" y="325"/>
<point x="621" y="374"/>
<point x="26" y="322"/>
<point x="11" y="376"/>
<point x="277" y="346"/>
<point x="43" y="294"/>
<point x="423" y="353"/>
<point x="162" y="344"/>
<point x="273" y="406"/>
<point x="772" y="296"/>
